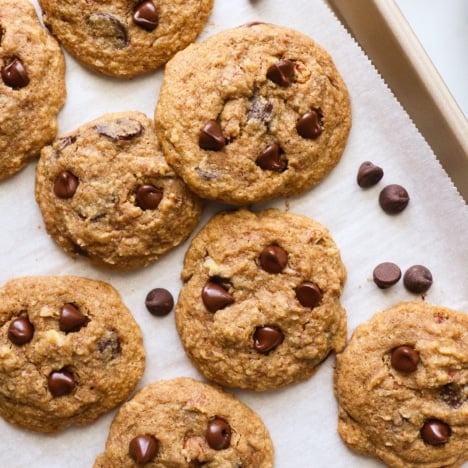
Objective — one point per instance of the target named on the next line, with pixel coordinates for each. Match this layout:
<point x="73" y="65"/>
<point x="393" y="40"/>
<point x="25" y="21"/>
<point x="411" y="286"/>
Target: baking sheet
<point x="431" y="231"/>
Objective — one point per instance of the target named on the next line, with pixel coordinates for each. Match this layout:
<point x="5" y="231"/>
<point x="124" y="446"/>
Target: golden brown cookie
<point x="186" y="423"/>
<point x="69" y="351"/>
<point x="107" y="193"/>
<point x="32" y="85"/>
<point x="252" y="113"/>
<point x="402" y="387"/>
<point x="260" y="304"/>
<point x="125" y="38"/>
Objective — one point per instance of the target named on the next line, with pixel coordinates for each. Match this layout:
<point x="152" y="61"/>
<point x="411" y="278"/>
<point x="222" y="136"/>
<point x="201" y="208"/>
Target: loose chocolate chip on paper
<point x="417" y="279"/>
<point x="215" y="297"/>
<point x="65" y="185"/>
<point x="148" y="197"/>
<point x="310" y="125"/>
<point x="267" y="338"/>
<point x="393" y="199"/>
<point x="146" y="16"/>
<point x="20" y="331"/>
<point x="211" y="137"/>
<point x="61" y="383"/>
<point x="15" y="75"/>
<point x="282" y="72"/>
<point x="369" y="174"/>
<point x="435" y="432"/>
<point x="405" y="359"/>
<point x="218" y="434"/>
<point x="71" y="319"/>
<point x="386" y="274"/>
<point x="309" y="294"/>
<point x="159" y="302"/>
<point x="143" y="448"/>
<point x="270" y="159"/>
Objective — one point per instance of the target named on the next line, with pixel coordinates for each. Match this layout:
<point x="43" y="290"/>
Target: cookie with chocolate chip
<point x="402" y="387"/>
<point x="260" y="303"/>
<point x="125" y="38"/>
<point x="252" y="113"/>
<point x="32" y="85"/>
<point x="69" y="351"/>
<point x="107" y="193"/>
<point x="184" y="422"/>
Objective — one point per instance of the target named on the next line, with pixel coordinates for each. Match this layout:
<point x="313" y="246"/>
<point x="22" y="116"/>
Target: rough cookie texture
<point x="69" y="351"/>
<point x="189" y="424"/>
<point x="107" y="193"/>
<point x="402" y="387"/>
<point x="32" y="85"/>
<point x="125" y="38"/>
<point x="252" y="113"/>
<point x="259" y="307"/>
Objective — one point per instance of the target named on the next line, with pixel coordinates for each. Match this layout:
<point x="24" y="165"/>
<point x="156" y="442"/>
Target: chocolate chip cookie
<point x="183" y="422"/>
<point x="32" y="85"/>
<point x="402" y="387"/>
<point x="107" y="193"/>
<point x="69" y="351"/>
<point x="252" y="113"/>
<point x="259" y="307"/>
<point x="125" y="38"/>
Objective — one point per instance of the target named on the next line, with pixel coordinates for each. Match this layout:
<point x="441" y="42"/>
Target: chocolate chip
<point x="451" y="395"/>
<point x="308" y="294"/>
<point x="405" y="359"/>
<point x="148" y="197"/>
<point x="310" y="125"/>
<point x="20" y="331"/>
<point x="369" y="174"/>
<point x="65" y="185"/>
<point x="260" y="109"/>
<point x="215" y="297"/>
<point x="109" y="345"/>
<point x="270" y="159"/>
<point x="15" y="75"/>
<point x="218" y="434"/>
<point x="159" y="302"/>
<point x="267" y="338"/>
<point x="146" y="16"/>
<point x="393" y="199"/>
<point x="60" y="383"/>
<point x="386" y="274"/>
<point x="71" y="319"/>
<point x="120" y="129"/>
<point x="211" y="137"/>
<point x="281" y="72"/>
<point x="62" y="143"/>
<point x="273" y="259"/>
<point x="417" y="279"/>
<point x="143" y="448"/>
<point x="435" y="432"/>
<point x="109" y="30"/>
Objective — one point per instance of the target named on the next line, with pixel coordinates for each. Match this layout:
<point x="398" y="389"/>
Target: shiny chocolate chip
<point x="159" y="302"/>
<point x="211" y="137"/>
<point x="435" y="432"/>
<point x="417" y="279"/>
<point x="310" y="125"/>
<point x="108" y="30"/>
<point x="281" y="72"/>
<point x="386" y="274"/>
<point x="65" y="185"/>
<point x="146" y="16"/>
<point x="120" y="129"/>
<point x="71" y="319"/>
<point x="143" y="448"/>
<point x="218" y="434"/>
<point x="267" y="339"/>
<point x="270" y="159"/>
<point x="15" y="75"/>
<point x="148" y="197"/>
<point x="273" y="259"/>
<point x="405" y="359"/>
<point x="309" y="294"/>
<point x="369" y="174"/>
<point x="20" y="331"/>
<point x="393" y="199"/>
<point x="215" y="297"/>
<point x="61" y="383"/>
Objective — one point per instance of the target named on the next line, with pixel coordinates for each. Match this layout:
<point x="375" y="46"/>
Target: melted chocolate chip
<point x="146" y="16"/>
<point x="159" y="302"/>
<point x="148" y="197"/>
<point x="310" y="125"/>
<point x="62" y="143"/>
<point x="60" y="383"/>
<point x="15" y="75"/>
<point x="65" y="185"/>
<point x="143" y="448"/>
<point x="261" y="109"/>
<point x="435" y="432"/>
<point x="369" y="174"/>
<point x="282" y="72"/>
<point x="211" y="137"/>
<point x="273" y="259"/>
<point x="386" y="274"/>
<point x="108" y="30"/>
<point x="20" y="331"/>
<point x="417" y="279"/>
<point x="218" y="434"/>
<point x="270" y="159"/>
<point x="405" y="359"/>
<point x="393" y="199"/>
<point x="267" y="339"/>
<point x="215" y="297"/>
<point x="120" y="129"/>
<point x="71" y="319"/>
<point x="308" y="294"/>
<point x="109" y="345"/>
<point x="451" y="395"/>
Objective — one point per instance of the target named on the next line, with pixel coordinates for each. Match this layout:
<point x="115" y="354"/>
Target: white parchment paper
<point x="432" y="231"/>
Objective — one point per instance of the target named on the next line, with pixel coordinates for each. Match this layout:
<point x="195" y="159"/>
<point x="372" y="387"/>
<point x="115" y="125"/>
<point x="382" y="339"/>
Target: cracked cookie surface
<point x="106" y="193"/>
<point x="259" y="308"/>
<point x="402" y="387"/>
<point x="69" y="351"/>
<point x="252" y="113"/>
<point x="186" y="423"/>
